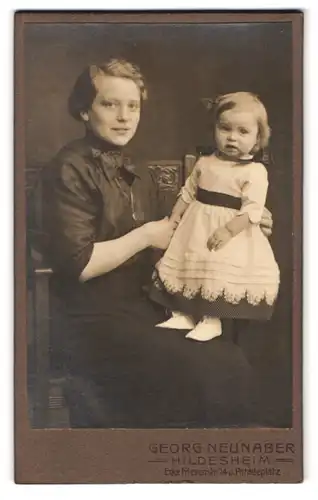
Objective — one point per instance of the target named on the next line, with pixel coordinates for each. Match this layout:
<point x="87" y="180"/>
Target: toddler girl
<point x="219" y="264"/>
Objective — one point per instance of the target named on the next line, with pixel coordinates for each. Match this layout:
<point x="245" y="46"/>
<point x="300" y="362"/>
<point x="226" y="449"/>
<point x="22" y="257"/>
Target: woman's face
<point x="115" y="112"/>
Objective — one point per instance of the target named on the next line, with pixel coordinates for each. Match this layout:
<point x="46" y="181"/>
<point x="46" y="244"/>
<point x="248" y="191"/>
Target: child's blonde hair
<point x="247" y="102"/>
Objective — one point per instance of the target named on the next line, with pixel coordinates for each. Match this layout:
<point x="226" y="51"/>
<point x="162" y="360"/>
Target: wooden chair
<point x="47" y="382"/>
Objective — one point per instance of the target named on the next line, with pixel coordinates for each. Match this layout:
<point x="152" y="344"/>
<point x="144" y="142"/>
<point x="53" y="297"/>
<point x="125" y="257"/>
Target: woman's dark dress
<point x="124" y="372"/>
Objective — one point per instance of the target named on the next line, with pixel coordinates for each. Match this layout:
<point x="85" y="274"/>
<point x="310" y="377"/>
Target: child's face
<point x="236" y="133"/>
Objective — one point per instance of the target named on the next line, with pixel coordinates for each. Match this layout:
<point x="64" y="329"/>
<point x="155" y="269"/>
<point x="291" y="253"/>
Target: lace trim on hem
<point x="232" y="293"/>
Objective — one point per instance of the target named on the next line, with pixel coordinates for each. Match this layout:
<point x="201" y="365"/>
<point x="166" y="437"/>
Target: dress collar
<point x="112" y="157"/>
<point x="242" y="161"/>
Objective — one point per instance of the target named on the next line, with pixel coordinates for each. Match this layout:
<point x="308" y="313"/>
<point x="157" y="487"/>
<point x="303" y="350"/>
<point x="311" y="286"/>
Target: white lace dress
<point x="242" y="278"/>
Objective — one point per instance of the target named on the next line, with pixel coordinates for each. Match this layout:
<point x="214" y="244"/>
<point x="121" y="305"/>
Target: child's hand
<point x="219" y="238"/>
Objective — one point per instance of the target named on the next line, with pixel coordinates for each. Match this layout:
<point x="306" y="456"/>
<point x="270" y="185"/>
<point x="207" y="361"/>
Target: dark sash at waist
<point x="218" y="199"/>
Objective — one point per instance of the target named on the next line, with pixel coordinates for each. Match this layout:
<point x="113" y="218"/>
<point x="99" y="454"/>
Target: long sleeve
<point x="254" y="192"/>
<point x="189" y="190"/>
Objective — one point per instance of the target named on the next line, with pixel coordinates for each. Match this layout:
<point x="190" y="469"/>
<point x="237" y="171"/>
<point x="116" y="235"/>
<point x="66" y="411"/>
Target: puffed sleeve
<point x="70" y="211"/>
<point x="254" y="192"/>
<point x="189" y="190"/>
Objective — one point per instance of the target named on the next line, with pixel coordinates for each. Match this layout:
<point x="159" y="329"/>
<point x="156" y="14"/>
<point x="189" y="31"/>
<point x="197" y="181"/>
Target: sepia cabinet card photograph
<point x="158" y="247"/>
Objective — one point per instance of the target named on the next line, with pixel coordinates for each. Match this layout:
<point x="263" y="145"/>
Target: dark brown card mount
<point x="254" y="51"/>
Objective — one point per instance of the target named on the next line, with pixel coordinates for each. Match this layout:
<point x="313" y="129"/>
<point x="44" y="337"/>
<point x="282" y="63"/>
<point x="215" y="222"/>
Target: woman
<point x="101" y="216"/>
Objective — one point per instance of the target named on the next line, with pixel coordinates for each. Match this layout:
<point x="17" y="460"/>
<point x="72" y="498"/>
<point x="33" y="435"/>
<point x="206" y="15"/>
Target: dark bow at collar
<point x="115" y="164"/>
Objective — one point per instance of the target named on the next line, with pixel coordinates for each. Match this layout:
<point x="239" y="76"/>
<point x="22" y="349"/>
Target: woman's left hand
<point x="219" y="238"/>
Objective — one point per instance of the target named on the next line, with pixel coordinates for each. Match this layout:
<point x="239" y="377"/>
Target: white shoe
<point x="178" y="321"/>
<point x="206" y="330"/>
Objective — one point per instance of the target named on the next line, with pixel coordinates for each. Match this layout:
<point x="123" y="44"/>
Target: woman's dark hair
<point x="84" y="90"/>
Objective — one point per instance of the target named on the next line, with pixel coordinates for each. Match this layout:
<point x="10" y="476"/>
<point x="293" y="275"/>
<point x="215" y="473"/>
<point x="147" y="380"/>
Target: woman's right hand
<point x="159" y="233"/>
<point x="266" y="223"/>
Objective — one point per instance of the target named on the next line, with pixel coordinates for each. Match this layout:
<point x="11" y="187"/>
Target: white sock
<point x="207" y="329"/>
